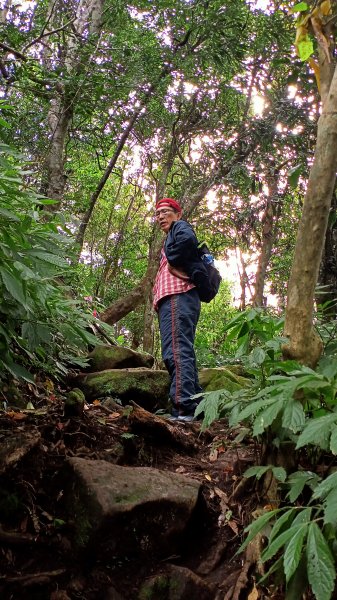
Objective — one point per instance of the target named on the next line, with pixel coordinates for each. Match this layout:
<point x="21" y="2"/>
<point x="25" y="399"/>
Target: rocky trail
<point x="105" y="500"/>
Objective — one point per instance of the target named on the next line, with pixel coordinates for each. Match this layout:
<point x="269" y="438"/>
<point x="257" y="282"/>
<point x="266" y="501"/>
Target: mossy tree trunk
<point x="304" y="343"/>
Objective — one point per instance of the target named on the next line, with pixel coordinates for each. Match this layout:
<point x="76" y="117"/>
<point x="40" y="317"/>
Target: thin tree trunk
<point x="148" y="335"/>
<point x="243" y="276"/>
<point x="88" y="16"/>
<point x="304" y="344"/>
<point x="327" y="278"/>
<point x="269" y="229"/>
<point x="112" y="163"/>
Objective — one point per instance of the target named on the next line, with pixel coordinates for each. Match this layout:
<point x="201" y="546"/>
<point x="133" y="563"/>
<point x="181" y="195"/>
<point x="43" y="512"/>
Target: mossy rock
<point x="74" y="403"/>
<point x="146" y="387"/>
<point x="117" y="357"/>
<point x="222" y="378"/>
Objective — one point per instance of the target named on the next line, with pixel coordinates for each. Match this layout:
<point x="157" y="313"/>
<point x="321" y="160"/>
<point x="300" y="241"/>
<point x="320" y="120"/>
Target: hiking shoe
<point x="182" y="419"/>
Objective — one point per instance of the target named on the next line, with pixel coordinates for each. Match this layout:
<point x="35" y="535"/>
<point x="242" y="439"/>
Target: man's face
<point x="165" y="216"/>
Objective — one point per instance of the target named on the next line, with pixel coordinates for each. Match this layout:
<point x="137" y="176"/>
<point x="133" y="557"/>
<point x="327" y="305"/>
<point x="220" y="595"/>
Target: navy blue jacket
<point x="181" y="249"/>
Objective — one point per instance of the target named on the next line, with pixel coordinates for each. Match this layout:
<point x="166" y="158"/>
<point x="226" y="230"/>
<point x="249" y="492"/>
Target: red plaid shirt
<point x="167" y="284"/>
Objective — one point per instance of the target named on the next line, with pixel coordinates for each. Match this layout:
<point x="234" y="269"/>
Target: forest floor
<point x="36" y="558"/>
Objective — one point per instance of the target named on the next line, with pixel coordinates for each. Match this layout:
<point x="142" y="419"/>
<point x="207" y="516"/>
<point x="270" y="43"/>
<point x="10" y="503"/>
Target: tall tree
<point x="304" y="343"/>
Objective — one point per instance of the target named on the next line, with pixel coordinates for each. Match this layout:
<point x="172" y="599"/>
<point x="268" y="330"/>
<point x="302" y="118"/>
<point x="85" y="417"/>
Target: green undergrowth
<point x="291" y="410"/>
<point x="43" y="327"/>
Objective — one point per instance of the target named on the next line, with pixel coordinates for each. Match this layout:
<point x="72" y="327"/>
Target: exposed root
<point x="162" y="431"/>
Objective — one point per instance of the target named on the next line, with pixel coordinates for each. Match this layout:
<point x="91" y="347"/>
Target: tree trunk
<point x="88" y="17"/>
<point x="304" y="344"/>
<point x="243" y="276"/>
<point x="269" y="221"/>
<point x="148" y="335"/>
<point x="328" y="269"/>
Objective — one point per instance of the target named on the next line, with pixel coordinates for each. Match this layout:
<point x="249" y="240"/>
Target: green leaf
<point x="18" y="371"/>
<point x="293" y="416"/>
<point x="325" y="486"/>
<point x="297" y="481"/>
<point x="9" y="215"/>
<point x="267" y="416"/>
<point x="299" y="581"/>
<point x="281" y="522"/>
<point x="305" y="49"/>
<point x="294" y="175"/>
<point x="278" y="542"/>
<point x="49" y="258"/>
<point x="279" y="473"/>
<point x="320" y="564"/>
<point x="293" y="551"/>
<point x="328" y="367"/>
<point x="333" y="440"/>
<point x="13" y="286"/>
<point x="330" y="504"/>
<point x="255" y="407"/>
<point x="303" y="516"/>
<point x="256" y="526"/>
<point x="258" y="356"/>
<point x="300" y="7"/>
<point x="256" y="471"/>
<point x="210" y="405"/>
<point x="317" y="432"/>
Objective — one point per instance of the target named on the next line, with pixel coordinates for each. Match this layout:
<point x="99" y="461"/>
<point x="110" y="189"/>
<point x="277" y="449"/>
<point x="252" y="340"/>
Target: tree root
<point x="162" y="431"/>
<point x="34" y="578"/>
<point x="18" y="539"/>
<point x="252" y="558"/>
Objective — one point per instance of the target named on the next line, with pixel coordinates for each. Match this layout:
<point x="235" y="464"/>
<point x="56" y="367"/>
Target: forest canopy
<point x="110" y="105"/>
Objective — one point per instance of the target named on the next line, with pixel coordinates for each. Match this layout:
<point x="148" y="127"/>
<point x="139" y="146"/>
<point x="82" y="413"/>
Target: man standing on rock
<point x="178" y="305"/>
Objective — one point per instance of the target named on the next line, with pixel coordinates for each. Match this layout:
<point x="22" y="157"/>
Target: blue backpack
<point x="208" y="287"/>
<point x="184" y="252"/>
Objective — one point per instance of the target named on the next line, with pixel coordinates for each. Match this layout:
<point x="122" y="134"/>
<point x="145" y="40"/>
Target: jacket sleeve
<point x="181" y="245"/>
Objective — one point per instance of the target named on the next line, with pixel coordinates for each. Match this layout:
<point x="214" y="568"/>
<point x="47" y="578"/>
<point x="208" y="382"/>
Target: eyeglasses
<point x="163" y="212"/>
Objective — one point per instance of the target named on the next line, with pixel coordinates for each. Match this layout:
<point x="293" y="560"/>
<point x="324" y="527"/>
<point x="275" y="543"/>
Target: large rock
<point x="117" y="357"/>
<point x="125" y="511"/>
<point x="222" y="378"/>
<point x="146" y="387"/>
<point x="15" y="445"/>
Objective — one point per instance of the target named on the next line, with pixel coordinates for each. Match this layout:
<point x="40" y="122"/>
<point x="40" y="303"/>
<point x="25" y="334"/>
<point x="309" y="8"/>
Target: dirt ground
<point x="36" y="557"/>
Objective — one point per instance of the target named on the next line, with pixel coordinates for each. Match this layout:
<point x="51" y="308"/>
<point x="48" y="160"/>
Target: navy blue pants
<point x="178" y="317"/>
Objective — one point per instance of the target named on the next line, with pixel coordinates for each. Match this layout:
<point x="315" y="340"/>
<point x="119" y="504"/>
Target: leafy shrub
<point x="41" y="325"/>
<point x="288" y="405"/>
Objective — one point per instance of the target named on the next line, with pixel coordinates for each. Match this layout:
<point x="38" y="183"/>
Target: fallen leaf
<point x="114" y="415"/>
<point x="221" y="494"/>
<point x="213" y="455"/>
<point x="48" y="384"/>
<point x="180" y="469"/>
<point x="17" y="416"/>
<point x="233" y="526"/>
<point x="254" y="594"/>
<point x="208" y="477"/>
<point x="96" y="402"/>
<point x="269" y="507"/>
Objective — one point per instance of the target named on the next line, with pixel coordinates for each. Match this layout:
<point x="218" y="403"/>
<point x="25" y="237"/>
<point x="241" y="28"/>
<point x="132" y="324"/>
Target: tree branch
<point x="43" y="35"/>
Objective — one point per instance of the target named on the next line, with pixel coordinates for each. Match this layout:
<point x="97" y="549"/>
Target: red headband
<point x="169" y="202"/>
